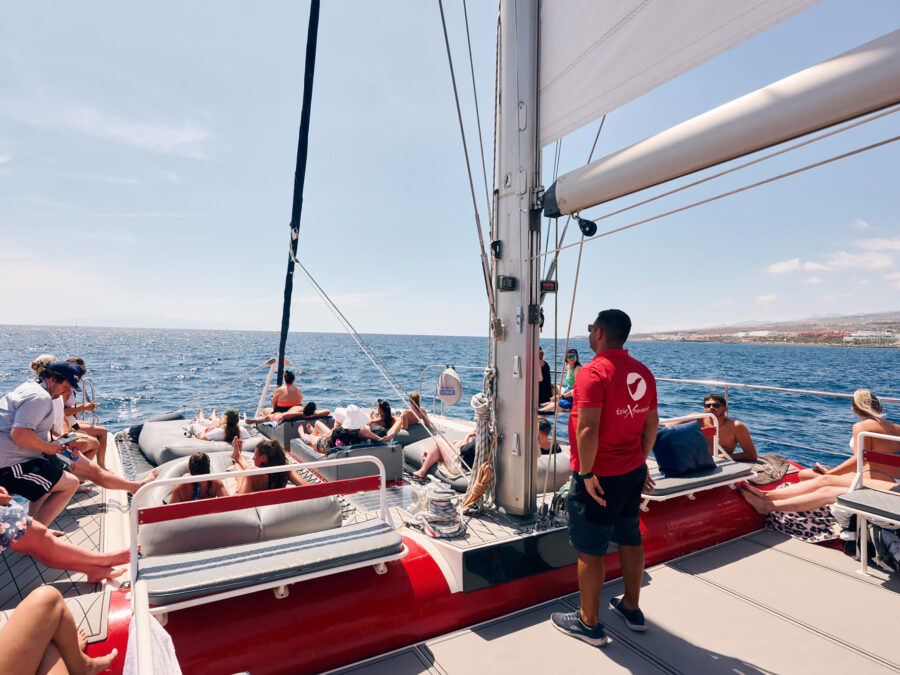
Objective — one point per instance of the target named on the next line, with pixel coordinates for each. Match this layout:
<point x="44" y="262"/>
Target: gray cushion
<point x="390" y="454"/>
<point x="873" y="502"/>
<point x="545" y="465"/>
<point x="162" y="442"/>
<point x="414" y="454"/>
<point x="172" y="578"/>
<point x="724" y="471"/>
<point x="412" y="435"/>
<point x="214" y="530"/>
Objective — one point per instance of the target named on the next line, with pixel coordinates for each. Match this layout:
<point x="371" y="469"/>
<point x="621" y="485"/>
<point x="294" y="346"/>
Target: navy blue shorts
<point x="592" y="526"/>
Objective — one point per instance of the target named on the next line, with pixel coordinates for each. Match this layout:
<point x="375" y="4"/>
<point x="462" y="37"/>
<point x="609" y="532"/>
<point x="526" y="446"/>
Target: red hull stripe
<point x="159" y="514"/>
<point x="878" y="457"/>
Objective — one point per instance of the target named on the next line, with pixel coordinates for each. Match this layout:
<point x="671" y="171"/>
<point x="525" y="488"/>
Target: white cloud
<point x="893" y="278"/>
<point x="841" y="260"/>
<point x="185" y="139"/>
<point x="879" y="244"/>
<point x="765" y="299"/>
<point x="860" y="224"/>
<point x="784" y="266"/>
<point x="812" y="280"/>
<point x="172" y="177"/>
<point x="5" y="158"/>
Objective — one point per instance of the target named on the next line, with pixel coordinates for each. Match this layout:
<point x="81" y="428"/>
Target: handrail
<point x="140" y="609"/>
<point x="861" y="454"/>
<point x="813" y="392"/>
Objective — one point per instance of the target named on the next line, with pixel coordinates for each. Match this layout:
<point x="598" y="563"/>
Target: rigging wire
<point x="556" y="154"/>
<point x="221" y="386"/>
<point x="553" y="263"/>
<point x="834" y="132"/>
<point x="723" y="195"/>
<point x="305" y="371"/>
<point x="487" y="199"/>
<point x="484" y="261"/>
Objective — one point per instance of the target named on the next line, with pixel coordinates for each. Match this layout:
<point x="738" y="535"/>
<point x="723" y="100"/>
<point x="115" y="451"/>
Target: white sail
<point x="597" y="55"/>
<point x="857" y="82"/>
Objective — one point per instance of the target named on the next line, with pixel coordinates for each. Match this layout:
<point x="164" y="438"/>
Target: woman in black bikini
<point x="198" y="465"/>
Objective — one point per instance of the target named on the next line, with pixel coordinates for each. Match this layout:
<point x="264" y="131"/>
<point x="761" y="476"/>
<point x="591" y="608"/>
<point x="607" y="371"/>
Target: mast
<point x="516" y="238"/>
<point x="299" y="178"/>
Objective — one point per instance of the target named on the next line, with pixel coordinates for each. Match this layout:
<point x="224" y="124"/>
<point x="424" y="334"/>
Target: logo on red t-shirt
<point x="637" y="386"/>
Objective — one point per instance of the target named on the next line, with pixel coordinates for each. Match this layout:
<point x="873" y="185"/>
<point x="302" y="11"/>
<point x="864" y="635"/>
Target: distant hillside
<point x="882" y="321"/>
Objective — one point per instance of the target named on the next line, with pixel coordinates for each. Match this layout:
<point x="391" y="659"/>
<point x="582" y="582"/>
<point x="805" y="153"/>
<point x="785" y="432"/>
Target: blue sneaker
<point x="634" y="618"/>
<point x="570" y="623"/>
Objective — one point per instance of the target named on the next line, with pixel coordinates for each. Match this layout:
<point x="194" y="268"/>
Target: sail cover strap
<point x="597" y="56"/>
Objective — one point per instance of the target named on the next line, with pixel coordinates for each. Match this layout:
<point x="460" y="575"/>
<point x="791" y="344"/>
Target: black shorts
<point x="592" y="526"/>
<point x="32" y="479"/>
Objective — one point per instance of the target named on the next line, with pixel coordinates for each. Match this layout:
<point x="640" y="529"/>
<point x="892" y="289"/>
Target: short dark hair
<point x="718" y="398"/>
<point x="544" y="425"/>
<point x="47" y="374"/>
<point x="616" y="324"/>
<point x="288" y="377"/>
<point x="198" y="464"/>
<point x="309" y="408"/>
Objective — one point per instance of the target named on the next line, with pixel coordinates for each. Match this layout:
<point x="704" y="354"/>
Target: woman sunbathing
<point x="306" y="411"/>
<point x="198" y="465"/>
<point x="24" y="535"/>
<point x="41" y="637"/>
<point x="215" y="428"/>
<point x="267" y="453"/>
<point x="414" y="415"/>
<point x="439" y="452"/>
<point x="823" y="489"/>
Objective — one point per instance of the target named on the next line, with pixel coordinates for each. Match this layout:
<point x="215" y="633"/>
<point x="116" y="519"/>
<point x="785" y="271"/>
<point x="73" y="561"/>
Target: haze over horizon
<point x="146" y="170"/>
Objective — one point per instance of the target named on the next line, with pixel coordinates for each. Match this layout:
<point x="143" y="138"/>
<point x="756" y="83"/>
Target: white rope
<point x="221" y="386"/>
<point x="726" y="194"/>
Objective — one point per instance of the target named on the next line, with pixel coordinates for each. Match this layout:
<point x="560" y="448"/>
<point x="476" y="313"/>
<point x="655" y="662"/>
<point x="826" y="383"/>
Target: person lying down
<point x="215" y="428"/>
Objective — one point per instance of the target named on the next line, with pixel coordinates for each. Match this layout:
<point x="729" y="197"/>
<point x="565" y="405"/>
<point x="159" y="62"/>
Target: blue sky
<point x="147" y="155"/>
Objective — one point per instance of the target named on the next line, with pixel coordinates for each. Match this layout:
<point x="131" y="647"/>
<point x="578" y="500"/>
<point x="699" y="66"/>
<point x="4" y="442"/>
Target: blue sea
<point x="139" y="373"/>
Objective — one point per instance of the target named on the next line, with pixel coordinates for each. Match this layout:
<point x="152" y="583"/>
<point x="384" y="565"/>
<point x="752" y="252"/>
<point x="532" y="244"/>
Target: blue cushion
<point x="682" y="449"/>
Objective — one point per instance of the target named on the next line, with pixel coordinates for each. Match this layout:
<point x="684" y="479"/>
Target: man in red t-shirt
<point x="612" y="429"/>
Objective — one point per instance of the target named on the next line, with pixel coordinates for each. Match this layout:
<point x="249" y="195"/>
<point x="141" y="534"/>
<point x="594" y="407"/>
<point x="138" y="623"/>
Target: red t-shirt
<point x="625" y="389"/>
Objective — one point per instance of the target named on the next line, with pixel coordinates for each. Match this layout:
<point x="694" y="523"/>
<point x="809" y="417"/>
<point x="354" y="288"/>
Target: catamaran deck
<point x="763" y="603"/>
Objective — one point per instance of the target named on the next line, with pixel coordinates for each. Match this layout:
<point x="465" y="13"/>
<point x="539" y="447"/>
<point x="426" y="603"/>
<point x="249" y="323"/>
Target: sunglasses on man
<point x="712" y="405"/>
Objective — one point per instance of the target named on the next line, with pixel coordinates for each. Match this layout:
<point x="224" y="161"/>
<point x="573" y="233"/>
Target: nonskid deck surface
<point x="82" y="524"/>
<point x="763" y="603"/>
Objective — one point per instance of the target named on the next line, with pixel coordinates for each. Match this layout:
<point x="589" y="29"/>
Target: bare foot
<point x="100" y="663"/>
<point x="760" y="505"/>
<point x="309" y="428"/>
<point x="55" y="533"/>
<point x="97" y="574"/>
<point x="419" y="473"/>
<point x="199" y="414"/>
<point x="82" y="638"/>
<point x="84" y="490"/>
<point x="752" y="489"/>
<point x="118" y="557"/>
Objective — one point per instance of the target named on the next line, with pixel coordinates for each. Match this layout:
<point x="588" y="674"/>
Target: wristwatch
<point x="585" y="476"/>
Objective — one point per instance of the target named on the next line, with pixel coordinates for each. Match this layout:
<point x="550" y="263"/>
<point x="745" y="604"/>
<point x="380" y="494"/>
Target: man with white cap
<point x="350" y="428"/>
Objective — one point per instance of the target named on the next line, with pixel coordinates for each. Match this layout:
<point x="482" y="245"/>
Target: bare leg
<point x="40" y="544"/>
<point x="40" y="620"/>
<point x="90" y="471"/>
<point x="431" y="457"/>
<point x="632" y="559"/>
<point x="45" y="509"/>
<point x="807" y="486"/>
<point x="320" y="428"/>
<point x="591" y="574"/>
<point x="100" y="434"/>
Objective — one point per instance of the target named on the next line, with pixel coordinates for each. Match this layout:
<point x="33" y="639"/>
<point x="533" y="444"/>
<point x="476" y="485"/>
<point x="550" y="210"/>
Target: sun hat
<point x="354" y="417"/>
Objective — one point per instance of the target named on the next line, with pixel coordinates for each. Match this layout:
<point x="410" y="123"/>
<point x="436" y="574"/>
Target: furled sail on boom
<point x="597" y="55"/>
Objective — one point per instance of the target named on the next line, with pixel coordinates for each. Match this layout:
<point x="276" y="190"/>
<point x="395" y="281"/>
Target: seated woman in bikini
<point x="438" y="451"/>
<point x="415" y="414"/>
<point x="198" y="465"/>
<point x="822" y="487"/>
<point x="267" y="453"/>
<point x="563" y="397"/>
<point x="286" y="396"/>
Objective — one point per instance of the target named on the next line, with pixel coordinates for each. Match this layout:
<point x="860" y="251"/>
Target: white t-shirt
<point x="59" y="416"/>
<point x="71" y="402"/>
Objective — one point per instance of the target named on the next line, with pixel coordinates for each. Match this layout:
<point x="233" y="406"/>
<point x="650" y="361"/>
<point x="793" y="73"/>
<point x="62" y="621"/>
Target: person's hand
<point x="592" y="485"/>
<point x="92" y="405"/>
<point x="649" y="483"/>
<point x="821" y="468"/>
<point x="5" y="497"/>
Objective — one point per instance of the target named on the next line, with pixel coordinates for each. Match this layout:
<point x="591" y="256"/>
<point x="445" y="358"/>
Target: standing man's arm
<point x="742" y="436"/>
<point x="588" y="433"/>
<point x="648" y="438"/>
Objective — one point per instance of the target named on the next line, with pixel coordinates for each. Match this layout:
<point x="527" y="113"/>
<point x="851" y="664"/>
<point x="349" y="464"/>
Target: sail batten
<point x="855" y="83"/>
<point x="598" y="55"/>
